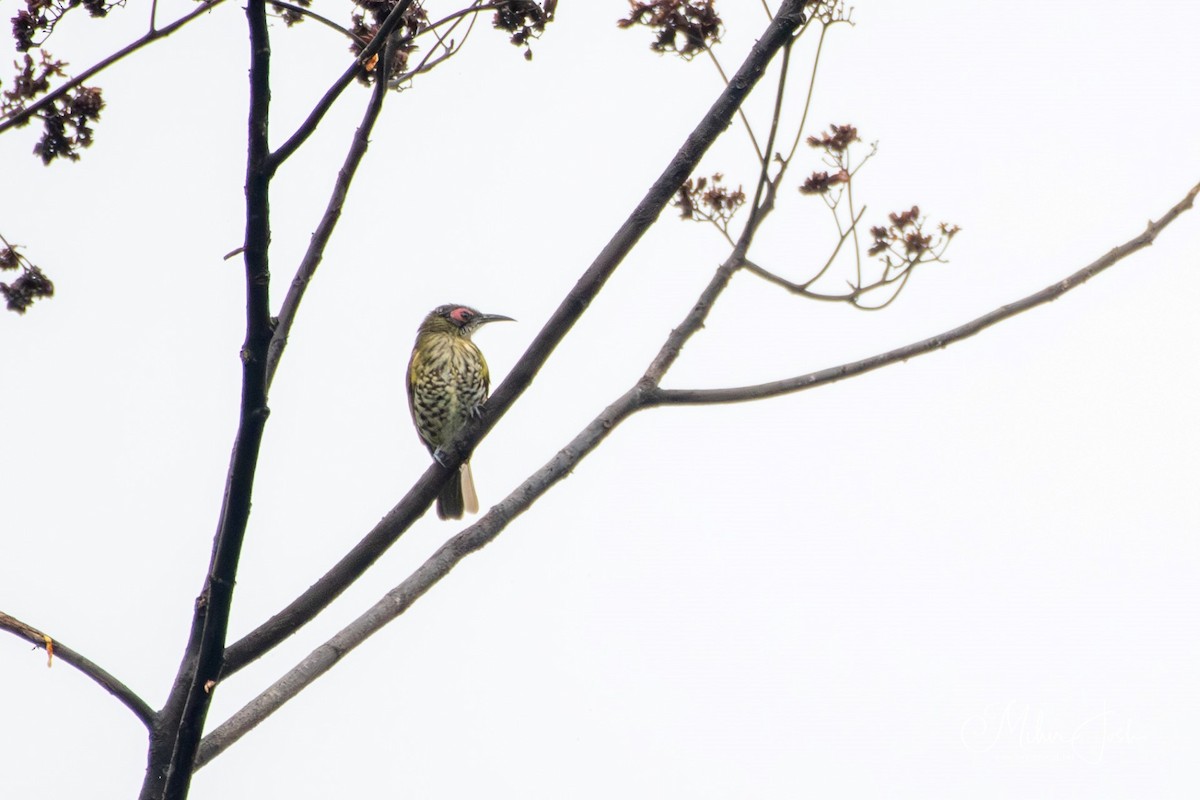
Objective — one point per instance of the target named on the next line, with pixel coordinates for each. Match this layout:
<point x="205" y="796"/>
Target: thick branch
<point x="177" y="734"/>
<point x="1053" y="292"/>
<point x="399" y="599"/>
<point x="56" y="649"/>
<point x="418" y="499"/>
<point x="153" y="35"/>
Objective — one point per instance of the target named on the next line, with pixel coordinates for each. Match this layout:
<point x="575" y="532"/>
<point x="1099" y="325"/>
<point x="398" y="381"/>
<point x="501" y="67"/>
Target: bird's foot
<point x="439" y="455"/>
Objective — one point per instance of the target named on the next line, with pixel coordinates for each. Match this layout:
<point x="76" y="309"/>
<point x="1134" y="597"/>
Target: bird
<point x="447" y="385"/>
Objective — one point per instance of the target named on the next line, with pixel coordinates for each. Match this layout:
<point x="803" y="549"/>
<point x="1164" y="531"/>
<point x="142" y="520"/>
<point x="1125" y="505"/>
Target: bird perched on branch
<point x="447" y="385"/>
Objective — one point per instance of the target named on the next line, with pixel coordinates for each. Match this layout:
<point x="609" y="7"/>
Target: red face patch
<point x="462" y="315"/>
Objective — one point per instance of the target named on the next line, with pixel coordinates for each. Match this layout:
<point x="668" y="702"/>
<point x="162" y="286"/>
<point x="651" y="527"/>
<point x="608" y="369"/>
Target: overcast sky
<point x="970" y="575"/>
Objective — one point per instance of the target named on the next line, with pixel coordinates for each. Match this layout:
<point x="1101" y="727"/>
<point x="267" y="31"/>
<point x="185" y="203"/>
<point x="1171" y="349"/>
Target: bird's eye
<point x="461" y="315"/>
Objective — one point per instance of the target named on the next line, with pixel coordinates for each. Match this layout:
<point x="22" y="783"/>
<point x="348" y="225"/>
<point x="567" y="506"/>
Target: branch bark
<point x="178" y="729"/>
<point x="56" y="649"/>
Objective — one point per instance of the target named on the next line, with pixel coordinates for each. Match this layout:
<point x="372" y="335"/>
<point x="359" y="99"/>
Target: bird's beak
<point x="483" y="319"/>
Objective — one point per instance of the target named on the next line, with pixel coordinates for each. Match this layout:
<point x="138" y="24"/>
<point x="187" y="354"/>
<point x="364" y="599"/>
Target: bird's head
<point x="460" y="320"/>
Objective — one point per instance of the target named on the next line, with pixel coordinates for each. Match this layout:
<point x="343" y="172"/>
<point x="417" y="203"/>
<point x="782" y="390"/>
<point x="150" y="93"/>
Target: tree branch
<point x="326" y="102"/>
<point x="177" y="732"/>
<point x="1053" y="292"/>
<point x="55" y="648"/>
<point x="153" y="35"/>
<point x="399" y="599"/>
<point x="333" y="212"/>
<point x="762" y="205"/>
<point x="418" y="499"/>
<point x="308" y="12"/>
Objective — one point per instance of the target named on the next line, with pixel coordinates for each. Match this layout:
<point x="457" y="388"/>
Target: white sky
<point x="971" y="575"/>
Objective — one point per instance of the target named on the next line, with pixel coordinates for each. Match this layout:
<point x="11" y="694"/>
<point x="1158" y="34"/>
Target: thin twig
<point x="308" y="12"/>
<point x="21" y="117"/>
<point x="56" y="649"/>
<point x="331" y="95"/>
<point x="762" y="204"/>
<point x="812" y="82"/>
<point x="740" y="394"/>
<point x="429" y="62"/>
<point x="741" y="112"/>
<point x="854" y="221"/>
<point x="802" y="288"/>
<point x="329" y="220"/>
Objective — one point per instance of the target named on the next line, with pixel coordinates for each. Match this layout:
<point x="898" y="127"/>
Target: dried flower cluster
<point x="291" y="16"/>
<point x="686" y="27"/>
<point x="904" y="237"/>
<point x="838" y="140"/>
<point x="365" y="24"/>
<point x="32" y="78"/>
<point x="33" y="24"/>
<point x="525" y="20"/>
<point x="836" y="144"/>
<point x="66" y="122"/>
<point x="900" y="246"/>
<point x="706" y="200"/>
<point x="31" y="284"/>
<point x="822" y="182"/>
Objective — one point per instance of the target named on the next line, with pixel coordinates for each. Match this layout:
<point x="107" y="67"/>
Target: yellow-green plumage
<point x="447" y="385"/>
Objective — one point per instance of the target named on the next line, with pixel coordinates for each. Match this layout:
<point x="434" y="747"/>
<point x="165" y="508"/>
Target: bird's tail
<point x="458" y="495"/>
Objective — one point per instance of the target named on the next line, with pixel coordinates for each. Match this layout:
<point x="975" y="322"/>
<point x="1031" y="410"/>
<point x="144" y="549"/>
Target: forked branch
<point x="741" y="394"/>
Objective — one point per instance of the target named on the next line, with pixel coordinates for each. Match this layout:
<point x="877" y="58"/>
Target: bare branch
<point x="56" y="649"/>
<point x="418" y="499"/>
<point x="741" y="112"/>
<point x="301" y="11"/>
<point x="174" y="741"/>
<point x="802" y="288"/>
<point x="1053" y="292"/>
<point x="21" y="117"/>
<point x="812" y="82"/>
<point x="393" y="20"/>
<point x="760" y="207"/>
<point x="320" y="237"/>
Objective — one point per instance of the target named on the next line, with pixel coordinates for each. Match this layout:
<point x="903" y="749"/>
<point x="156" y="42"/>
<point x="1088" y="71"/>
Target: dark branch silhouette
<point x="56" y="649"/>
